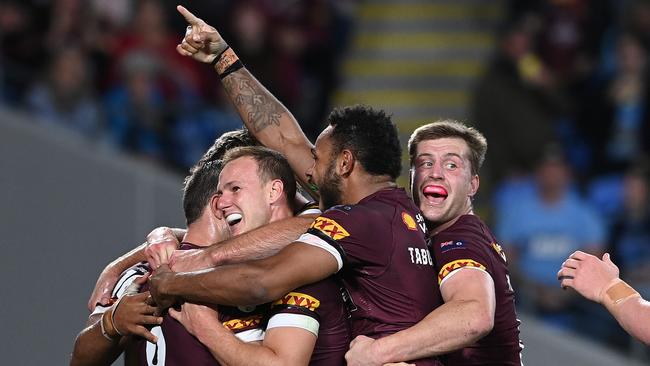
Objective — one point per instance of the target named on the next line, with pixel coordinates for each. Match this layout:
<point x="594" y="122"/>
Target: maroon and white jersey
<point x="383" y="259"/>
<point x="468" y="243"/>
<point x="318" y="308"/>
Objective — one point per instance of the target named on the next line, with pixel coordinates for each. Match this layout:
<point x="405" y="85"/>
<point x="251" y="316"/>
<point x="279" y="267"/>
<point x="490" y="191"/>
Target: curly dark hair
<point x="370" y="135"/>
<point x="202" y="181"/>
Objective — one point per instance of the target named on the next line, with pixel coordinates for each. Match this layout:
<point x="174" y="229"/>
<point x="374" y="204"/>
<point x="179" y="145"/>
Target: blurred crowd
<point x="109" y="71"/>
<point x="564" y="106"/>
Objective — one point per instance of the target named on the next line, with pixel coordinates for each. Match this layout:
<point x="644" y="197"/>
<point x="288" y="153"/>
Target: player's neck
<point x="280" y="212"/>
<point x="202" y="234"/>
<point x="360" y="187"/>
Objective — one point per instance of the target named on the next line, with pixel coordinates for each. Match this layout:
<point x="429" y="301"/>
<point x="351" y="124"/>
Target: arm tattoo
<point x="260" y="108"/>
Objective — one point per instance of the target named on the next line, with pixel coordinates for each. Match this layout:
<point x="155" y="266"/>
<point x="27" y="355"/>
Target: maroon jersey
<point x="468" y="243"/>
<point x="319" y="309"/>
<point x="383" y="259"/>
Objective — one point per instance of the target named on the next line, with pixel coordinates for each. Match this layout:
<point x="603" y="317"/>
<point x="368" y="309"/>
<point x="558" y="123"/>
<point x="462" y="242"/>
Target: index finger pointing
<point x="191" y="18"/>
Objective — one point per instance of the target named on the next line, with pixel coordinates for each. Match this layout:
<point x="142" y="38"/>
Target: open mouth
<point x="435" y="194"/>
<point x="233" y="219"/>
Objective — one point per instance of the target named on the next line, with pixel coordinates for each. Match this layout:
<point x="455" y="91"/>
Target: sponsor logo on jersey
<point x="409" y="221"/>
<point x="499" y="251"/>
<point x="460" y="263"/>
<point x="330" y="228"/>
<point x="299" y="299"/>
<point x="451" y="245"/>
<point x="239" y="325"/>
<point x="420" y="256"/>
<point x="421" y="223"/>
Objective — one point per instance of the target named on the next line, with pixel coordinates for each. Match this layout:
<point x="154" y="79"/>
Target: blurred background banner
<point x="100" y="119"/>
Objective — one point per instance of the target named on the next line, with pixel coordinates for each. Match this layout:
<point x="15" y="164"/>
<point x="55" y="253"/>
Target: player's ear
<point x="345" y="162"/>
<point x="474" y="183"/>
<point x="276" y="190"/>
<point x="214" y="206"/>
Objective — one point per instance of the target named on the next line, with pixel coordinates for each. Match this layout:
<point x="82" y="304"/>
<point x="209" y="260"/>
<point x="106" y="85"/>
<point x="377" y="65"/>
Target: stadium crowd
<point x="110" y="71"/>
<point x="563" y="105"/>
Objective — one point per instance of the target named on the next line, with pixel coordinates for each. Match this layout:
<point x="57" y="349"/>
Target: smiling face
<point x="244" y="197"/>
<point x="443" y="183"/>
<point x="323" y="172"/>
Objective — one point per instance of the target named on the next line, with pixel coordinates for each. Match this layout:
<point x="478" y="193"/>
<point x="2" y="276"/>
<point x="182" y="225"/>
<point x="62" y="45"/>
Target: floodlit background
<point x="100" y="119"/>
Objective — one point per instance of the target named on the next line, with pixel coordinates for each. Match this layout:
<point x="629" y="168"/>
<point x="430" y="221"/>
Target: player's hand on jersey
<point x="587" y="274"/>
<point x="197" y="319"/>
<point x="133" y="315"/>
<point x="161" y="243"/>
<point x="190" y="260"/>
<point x="362" y="352"/>
<point x="103" y="290"/>
<point x="158" y="283"/>
<point x="202" y="42"/>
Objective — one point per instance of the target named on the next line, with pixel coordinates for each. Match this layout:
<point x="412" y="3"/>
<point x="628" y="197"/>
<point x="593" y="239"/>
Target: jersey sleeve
<point x="125" y="280"/>
<point x="348" y="235"/>
<point x="457" y="252"/>
<point x="297" y="309"/>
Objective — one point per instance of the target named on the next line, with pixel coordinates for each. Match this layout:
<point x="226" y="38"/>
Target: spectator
<point x="65" y="97"/>
<point x="543" y="228"/>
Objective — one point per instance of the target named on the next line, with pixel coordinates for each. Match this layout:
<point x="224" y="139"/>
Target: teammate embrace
<point x="426" y="296"/>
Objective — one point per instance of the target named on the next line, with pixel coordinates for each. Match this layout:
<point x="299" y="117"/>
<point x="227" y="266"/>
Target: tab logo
<point x="420" y="256"/>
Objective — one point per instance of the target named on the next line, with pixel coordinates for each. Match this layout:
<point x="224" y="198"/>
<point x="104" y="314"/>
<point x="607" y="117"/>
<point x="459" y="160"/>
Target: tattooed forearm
<point x="255" y="104"/>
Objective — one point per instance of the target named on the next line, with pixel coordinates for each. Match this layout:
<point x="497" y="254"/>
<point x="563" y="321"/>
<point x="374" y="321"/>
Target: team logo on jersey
<point x="451" y="245"/>
<point x="299" y="299"/>
<point x="460" y="263"/>
<point x="330" y="228"/>
<point x="409" y="221"/>
<point x="499" y="251"/>
<point x="239" y="325"/>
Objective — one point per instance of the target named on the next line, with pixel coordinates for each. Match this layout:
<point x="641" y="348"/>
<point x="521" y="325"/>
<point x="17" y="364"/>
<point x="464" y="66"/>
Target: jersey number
<point x="156" y="352"/>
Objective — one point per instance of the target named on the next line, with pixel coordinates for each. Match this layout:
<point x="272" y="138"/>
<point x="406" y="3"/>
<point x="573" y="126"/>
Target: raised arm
<point x="598" y="281"/>
<point x="466" y="316"/>
<point x="249" y="283"/>
<point x="281" y="346"/>
<point x="269" y="121"/>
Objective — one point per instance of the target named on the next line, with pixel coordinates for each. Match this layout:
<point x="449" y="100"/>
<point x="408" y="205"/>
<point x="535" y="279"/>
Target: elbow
<point x="481" y="324"/>
<point x="260" y="286"/>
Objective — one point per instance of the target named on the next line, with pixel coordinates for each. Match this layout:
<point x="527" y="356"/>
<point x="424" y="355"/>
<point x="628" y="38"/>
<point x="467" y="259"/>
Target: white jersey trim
<point x="295" y="321"/>
<point x="251" y="335"/>
<point x="314" y="240"/>
<point x="122" y="284"/>
<point x="310" y="211"/>
<point x="458" y="269"/>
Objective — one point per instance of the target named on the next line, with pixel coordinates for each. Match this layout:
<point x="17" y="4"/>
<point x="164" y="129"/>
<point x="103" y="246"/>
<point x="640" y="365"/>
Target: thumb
<point x="143" y="279"/>
<point x="175" y="314"/>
